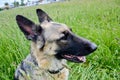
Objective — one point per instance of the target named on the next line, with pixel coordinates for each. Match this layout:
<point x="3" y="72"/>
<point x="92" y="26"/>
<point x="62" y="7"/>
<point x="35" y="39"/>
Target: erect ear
<point x="27" y="27"/>
<point x="42" y="16"/>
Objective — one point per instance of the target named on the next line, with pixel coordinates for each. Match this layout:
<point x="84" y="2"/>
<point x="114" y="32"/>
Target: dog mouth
<point x="74" y="58"/>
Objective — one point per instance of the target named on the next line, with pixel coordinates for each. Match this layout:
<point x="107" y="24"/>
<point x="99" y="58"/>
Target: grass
<point x="97" y="20"/>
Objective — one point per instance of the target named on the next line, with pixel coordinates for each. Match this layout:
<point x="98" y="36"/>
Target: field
<point x="96" y="20"/>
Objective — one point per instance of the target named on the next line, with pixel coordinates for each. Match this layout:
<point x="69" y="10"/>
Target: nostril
<point x="91" y="47"/>
<point x="88" y="48"/>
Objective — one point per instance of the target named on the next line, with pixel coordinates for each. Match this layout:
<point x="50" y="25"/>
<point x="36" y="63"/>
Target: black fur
<point x="42" y="16"/>
<point x="74" y="46"/>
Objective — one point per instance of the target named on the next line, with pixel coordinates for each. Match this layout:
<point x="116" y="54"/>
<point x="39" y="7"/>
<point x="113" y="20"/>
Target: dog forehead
<point x="54" y="26"/>
<point x="53" y="30"/>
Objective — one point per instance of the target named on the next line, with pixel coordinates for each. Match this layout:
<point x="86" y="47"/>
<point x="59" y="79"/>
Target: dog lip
<point x="74" y="58"/>
<point x="82" y="58"/>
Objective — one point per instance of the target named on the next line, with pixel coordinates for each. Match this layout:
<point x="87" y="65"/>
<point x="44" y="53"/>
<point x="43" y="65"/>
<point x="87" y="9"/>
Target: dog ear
<point x="26" y="26"/>
<point x="42" y="16"/>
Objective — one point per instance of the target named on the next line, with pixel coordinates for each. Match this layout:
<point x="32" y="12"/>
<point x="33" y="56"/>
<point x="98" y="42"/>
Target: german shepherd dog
<point x="52" y="44"/>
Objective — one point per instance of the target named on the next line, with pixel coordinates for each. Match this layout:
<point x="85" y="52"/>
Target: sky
<point x="10" y="1"/>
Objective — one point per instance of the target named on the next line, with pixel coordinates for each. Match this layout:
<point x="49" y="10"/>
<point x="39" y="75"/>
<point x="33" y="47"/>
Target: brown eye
<point x="65" y="37"/>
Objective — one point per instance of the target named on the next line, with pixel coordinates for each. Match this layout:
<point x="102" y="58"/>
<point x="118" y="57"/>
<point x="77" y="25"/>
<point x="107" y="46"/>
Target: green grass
<point x="97" y="20"/>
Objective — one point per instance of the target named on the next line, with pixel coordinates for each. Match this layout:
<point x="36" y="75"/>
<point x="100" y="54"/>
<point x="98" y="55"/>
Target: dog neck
<point x="47" y="62"/>
<point x="55" y="72"/>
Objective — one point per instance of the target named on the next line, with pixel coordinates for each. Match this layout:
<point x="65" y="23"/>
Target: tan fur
<point x="63" y="75"/>
<point x="52" y="44"/>
<point x="48" y="61"/>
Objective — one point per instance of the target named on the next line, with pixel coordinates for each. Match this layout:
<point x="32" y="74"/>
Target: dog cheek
<point x="40" y="42"/>
<point x="50" y="48"/>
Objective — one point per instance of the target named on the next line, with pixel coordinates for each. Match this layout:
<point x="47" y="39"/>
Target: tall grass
<point x="97" y="20"/>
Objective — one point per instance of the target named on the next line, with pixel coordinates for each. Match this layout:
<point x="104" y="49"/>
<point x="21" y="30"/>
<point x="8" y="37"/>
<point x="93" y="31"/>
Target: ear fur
<point x="42" y="16"/>
<point x="26" y="26"/>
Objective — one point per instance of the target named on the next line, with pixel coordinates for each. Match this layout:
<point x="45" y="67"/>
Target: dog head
<point x="55" y="39"/>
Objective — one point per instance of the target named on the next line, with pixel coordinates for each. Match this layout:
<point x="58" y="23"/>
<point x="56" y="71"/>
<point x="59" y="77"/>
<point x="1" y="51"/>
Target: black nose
<point x="91" y="47"/>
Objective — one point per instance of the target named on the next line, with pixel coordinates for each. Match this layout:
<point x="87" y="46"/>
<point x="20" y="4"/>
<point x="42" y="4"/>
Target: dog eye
<point x="65" y="37"/>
